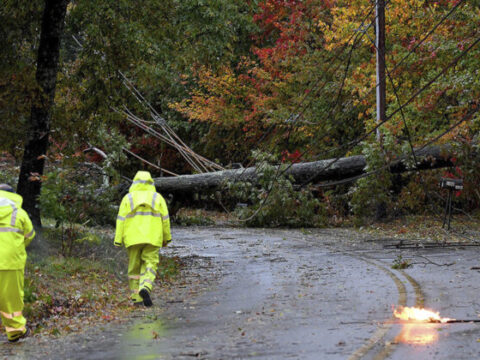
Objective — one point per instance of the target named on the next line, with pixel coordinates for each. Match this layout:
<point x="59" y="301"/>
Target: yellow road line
<point x="419" y="302"/>
<point x="381" y="332"/>
<point x="419" y="295"/>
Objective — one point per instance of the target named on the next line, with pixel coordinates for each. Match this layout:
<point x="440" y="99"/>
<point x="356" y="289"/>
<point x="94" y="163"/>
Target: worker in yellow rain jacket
<point x="16" y="232"/>
<point x="143" y="226"/>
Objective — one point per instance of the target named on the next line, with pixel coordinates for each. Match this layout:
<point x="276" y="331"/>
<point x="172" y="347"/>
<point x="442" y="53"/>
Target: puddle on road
<point x="418" y="334"/>
<point x="143" y="331"/>
<point x="139" y="341"/>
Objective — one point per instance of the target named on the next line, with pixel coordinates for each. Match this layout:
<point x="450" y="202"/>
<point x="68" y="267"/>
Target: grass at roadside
<point x="67" y="294"/>
<point x="463" y="229"/>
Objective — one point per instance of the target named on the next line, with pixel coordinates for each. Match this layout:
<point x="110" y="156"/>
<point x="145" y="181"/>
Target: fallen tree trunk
<point x="312" y="172"/>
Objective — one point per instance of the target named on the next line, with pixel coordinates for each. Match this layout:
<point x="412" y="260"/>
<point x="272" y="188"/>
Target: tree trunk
<point x="33" y="162"/>
<point x="312" y="172"/>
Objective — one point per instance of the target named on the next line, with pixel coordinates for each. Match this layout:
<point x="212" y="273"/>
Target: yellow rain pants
<point x="11" y="303"/>
<point x="142" y="268"/>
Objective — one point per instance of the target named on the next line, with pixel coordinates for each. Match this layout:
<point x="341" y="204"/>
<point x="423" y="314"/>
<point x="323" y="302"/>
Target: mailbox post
<point x="452" y="185"/>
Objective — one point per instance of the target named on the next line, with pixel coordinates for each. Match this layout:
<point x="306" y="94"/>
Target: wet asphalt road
<point x="290" y="294"/>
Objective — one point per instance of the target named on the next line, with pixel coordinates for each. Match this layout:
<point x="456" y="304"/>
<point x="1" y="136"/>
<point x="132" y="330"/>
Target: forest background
<point x="262" y="83"/>
<point x="252" y="82"/>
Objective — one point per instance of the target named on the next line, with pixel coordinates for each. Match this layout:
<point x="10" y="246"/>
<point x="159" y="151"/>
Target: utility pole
<point x="381" y="82"/>
<point x="381" y="208"/>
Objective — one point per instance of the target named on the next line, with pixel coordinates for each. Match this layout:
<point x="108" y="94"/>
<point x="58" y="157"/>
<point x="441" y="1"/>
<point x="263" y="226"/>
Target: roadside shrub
<point x="74" y="197"/>
<point x="422" y="194"/>
<point x="412" y="197"/>
<point x="273" y="200"/>
<point x="371" y="192"/>
<point x="466" y="167"/>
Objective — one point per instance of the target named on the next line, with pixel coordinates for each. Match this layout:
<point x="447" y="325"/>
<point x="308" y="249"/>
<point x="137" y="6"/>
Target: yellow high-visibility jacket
<point x="143" y="215"/>
<point x="16" y="232"/>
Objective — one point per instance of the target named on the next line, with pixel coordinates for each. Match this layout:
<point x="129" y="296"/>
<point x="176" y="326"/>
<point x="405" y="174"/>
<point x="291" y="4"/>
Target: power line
<point x="148" y="162"/>
<point x="136" y="121"/>
<point x="183" y="149"/>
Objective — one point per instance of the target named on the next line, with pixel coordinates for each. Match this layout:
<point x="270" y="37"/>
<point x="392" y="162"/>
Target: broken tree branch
<point x="434" y="263"/>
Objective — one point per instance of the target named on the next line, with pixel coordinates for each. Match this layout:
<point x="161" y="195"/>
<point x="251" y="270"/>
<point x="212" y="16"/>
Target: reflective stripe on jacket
<point x="143" y="215"/>
<point x="16" y="232"/>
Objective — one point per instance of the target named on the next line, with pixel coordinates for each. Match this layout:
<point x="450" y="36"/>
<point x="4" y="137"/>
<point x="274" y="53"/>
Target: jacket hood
<point x="8" y="201"/>
<point x="142" y="182"/>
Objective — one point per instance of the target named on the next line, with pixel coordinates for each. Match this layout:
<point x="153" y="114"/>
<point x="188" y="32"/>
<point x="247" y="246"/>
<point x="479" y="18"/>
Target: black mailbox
<point x="449" y="183"/>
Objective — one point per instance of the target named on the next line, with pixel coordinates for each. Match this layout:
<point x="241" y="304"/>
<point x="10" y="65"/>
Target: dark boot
<point x="22" y="336"/>
<point x="145" y="294"/>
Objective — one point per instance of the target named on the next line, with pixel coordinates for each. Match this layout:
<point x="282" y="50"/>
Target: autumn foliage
<point x="294" y="79"/>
